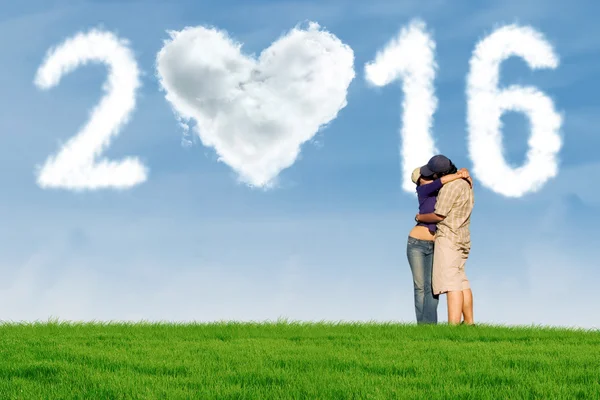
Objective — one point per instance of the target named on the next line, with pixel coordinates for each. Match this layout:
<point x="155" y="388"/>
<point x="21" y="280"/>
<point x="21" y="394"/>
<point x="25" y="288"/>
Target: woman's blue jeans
<point x="420" y="259"/>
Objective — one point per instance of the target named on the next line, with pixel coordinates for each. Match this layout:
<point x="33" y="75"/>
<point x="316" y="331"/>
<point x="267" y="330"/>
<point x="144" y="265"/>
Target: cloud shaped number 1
<point x="76" y="166"/>
<point x="411" y="58"/>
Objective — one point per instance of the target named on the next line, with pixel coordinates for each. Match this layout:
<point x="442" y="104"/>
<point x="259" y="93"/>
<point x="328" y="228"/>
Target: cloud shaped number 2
<point x="77" y="165"/>
<point x="257" y="113"/>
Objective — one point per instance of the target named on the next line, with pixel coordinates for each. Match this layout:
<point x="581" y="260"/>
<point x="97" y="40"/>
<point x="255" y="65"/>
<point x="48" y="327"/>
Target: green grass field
<point x="286" y="360"/>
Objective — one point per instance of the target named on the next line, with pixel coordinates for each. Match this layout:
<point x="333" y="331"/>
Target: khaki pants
<point x="449" y="262"/>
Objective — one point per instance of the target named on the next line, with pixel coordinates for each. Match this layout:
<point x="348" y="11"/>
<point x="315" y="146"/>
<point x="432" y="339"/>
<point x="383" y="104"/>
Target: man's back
<point x="455" y="202"/>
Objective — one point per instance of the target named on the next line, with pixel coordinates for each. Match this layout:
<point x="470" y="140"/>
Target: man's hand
<point x="431" y="218"/>
<point x="464" y="173"/>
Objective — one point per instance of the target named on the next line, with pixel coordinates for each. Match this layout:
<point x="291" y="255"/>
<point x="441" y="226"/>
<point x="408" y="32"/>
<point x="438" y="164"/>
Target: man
<point x="452" y="240"/>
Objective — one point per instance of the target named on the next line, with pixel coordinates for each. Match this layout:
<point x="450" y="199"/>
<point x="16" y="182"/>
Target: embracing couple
<point x="438" y="246"/>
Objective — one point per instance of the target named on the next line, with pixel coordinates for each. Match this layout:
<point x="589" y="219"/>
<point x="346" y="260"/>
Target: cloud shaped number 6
<point x="486" y="103"/>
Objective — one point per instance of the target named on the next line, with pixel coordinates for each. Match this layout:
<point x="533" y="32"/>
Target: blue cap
<point x="436" y="165"/>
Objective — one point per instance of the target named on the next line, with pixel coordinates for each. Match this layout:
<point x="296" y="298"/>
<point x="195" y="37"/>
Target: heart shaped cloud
<point x="256" y="113"/>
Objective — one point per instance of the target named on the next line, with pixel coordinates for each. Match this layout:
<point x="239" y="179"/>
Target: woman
<point x="421" y="238"/>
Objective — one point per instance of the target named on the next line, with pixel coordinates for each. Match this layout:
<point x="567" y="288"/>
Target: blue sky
<point x="329" y="243"/>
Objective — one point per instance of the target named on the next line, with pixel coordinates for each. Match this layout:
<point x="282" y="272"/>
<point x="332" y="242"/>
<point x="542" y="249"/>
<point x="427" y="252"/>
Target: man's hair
<point x="451" y="170"/>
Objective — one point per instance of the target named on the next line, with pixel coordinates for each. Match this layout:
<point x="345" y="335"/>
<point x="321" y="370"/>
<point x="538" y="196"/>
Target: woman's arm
<point x="429" y="189"/>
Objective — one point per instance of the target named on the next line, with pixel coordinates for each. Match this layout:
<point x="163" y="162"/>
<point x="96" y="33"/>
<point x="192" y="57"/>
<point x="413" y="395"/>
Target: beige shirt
<point x="455" y="202"/>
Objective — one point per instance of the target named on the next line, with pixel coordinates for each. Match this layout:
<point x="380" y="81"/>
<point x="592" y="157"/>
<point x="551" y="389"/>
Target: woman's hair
<point x="427" y="178"/>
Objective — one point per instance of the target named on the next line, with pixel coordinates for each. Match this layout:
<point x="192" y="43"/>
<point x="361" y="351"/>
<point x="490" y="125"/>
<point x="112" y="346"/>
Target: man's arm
<point x="462" y="173"/>
<point x="446" y="199"/>
<point x="431" y="218"/>
<point x="429" y="189"/>
<point x="443" y="205"/>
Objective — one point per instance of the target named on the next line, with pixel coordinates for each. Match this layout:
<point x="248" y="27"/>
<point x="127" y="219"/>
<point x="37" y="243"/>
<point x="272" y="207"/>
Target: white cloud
<point x="551" y="289"/>
<point x="337" y="267"/>
<point x="410" y="57"/>
<point x="552" y="285"/>
<point x="573" y="180"/>
<point x="77" y="166"/>
<point x="487" y="102"/>
<point x="256" y="113"/>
